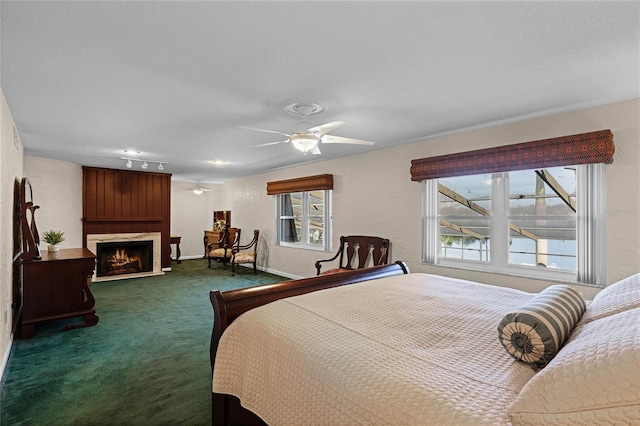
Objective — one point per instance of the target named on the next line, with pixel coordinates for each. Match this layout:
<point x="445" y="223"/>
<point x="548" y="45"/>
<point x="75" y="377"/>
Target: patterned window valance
<point x="584" y="148"/>
<point x="309" y="183"/>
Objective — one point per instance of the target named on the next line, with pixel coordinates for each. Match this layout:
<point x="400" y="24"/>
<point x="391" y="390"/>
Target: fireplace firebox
<point x="124" y="257"/>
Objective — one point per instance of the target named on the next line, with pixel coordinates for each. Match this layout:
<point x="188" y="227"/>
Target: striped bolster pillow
<point x="535" y="332"/>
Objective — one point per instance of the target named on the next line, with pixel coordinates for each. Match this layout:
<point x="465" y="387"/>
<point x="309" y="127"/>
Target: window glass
<point x="464" y="208"/>
<point x="316" y="218"/>
<point x="304" y="219"/>
<point x="290" y="208"/>
<point x="543" y="223"/>
<point x="531" y="192"/>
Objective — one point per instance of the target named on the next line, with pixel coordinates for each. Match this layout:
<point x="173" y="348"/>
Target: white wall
<point x="373" y="194"/>
<point x="191" y="214"/>
<point x="57" y="189"/>
<point x="11" y="166"/>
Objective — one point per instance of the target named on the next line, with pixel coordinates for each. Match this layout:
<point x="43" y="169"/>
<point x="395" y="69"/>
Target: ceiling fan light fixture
<point x="198" y="191"/>
<point x="304" y="142"/>
<point x="306" y="137"/>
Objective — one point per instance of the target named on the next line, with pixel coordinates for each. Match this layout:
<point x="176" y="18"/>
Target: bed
<point x="385" y="346"/>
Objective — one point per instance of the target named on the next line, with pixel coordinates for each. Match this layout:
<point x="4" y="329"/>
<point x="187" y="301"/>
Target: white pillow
<point x="618" y="297"/>
<point x="594" y="379"/>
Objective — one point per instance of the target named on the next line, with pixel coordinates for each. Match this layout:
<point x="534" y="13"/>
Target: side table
<point x="175" y="239"/>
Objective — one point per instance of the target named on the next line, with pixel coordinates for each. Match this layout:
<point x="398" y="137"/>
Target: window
<point x="543" y="223"/>
<point x="304" y="219"/>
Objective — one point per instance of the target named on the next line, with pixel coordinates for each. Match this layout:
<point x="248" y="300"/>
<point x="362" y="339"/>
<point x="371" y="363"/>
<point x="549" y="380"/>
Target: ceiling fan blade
<point x="268" y="144"/>
<point x="339" y="139"/>
<point x="265" y="130"/>
<point x="315" y="150"/>
<point x="197" y="190"/>
<point x="326" y="128"/>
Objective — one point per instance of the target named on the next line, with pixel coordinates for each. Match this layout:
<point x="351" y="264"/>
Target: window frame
<point x="305" y="220"/>
<point x="590" y="231"/>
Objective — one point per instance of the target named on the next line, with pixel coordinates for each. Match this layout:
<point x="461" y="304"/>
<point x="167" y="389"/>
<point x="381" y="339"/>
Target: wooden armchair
<point x="246" y="254"/>
<point x="358" y="251"/>
<point x="220" y="251"/>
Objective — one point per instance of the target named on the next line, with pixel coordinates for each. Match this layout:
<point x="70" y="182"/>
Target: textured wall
<point x="58" y="186"/>
<point x="191" y="214"/>
<point x="57" y="189"/>
<point x="373" y="194"/>
<point x="11" y="166"/>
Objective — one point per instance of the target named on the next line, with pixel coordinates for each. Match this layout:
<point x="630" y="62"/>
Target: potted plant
<point x="53" y="238"/>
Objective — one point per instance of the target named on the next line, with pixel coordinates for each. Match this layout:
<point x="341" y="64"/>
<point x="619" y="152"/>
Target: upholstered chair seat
<point x="221" y="251"/>
<point x="241" y="254"/>
<point x="244" y="257"/>
<point x="217" y="252"/>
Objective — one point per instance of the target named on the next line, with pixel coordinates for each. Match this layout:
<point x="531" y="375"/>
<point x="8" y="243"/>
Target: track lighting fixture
<point x="145" y="163"/>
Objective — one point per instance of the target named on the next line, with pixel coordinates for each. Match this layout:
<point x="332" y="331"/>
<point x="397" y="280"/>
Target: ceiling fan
<point x="307" y="140"/>
<point x="198" y="189"/>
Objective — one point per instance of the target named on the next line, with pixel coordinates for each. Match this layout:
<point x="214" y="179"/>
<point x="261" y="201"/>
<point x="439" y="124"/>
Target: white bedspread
<point x="411" y="349"/>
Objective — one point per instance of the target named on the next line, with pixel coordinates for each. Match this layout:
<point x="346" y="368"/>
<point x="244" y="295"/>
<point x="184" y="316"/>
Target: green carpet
<point x="145" y="363"/>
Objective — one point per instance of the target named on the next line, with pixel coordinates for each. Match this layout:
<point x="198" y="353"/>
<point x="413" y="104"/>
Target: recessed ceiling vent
<point x="302" y="108"/>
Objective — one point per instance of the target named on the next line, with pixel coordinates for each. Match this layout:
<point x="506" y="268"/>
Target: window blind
<point x="583" y="148"/>
<point x="308" y="183"/>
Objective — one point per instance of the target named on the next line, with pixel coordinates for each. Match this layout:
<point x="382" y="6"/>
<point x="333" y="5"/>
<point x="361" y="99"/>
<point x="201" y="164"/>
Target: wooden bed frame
<point x="228" y="305"/>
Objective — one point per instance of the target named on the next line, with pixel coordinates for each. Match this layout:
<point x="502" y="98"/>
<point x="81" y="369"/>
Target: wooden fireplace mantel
<point x="127" y="201"/>
<point x="124" y="219"/>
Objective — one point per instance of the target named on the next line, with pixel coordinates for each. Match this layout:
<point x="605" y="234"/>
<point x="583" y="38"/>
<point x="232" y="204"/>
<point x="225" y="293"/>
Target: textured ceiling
<point x="177" y="81"/>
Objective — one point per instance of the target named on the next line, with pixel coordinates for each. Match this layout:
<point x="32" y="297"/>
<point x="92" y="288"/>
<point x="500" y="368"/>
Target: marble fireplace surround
<point x="94" y="239"/>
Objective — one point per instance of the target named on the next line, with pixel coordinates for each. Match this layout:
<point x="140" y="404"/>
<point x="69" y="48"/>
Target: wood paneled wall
<point x="122" y="201"/>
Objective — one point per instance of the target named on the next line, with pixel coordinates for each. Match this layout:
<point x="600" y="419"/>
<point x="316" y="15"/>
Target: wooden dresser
<point x="56" y="287"/>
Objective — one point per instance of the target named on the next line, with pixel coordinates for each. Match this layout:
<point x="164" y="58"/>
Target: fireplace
<point x="126" y="255"/>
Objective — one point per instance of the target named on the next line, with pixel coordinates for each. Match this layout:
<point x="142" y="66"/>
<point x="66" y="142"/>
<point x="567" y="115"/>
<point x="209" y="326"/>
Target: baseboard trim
<point x="276" y="272"/>
<point x="260" y="268"/>
<point x="5" y="358"/>
<point x="190" y="257"/>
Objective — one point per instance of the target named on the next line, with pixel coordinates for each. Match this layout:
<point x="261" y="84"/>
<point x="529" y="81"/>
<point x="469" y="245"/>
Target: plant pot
<point x="53" y="247"/>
